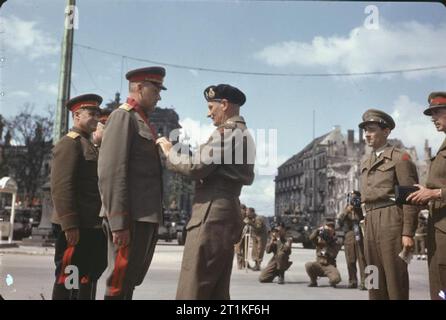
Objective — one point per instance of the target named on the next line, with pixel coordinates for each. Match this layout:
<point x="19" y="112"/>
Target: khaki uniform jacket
<point x="216" y="181"/>
<point x="378" y="180"/>
<point x="437" y="180"/>
<point x="129" y="171"/>
<point x="74" y="182"/>
<point x="326" y="253"/>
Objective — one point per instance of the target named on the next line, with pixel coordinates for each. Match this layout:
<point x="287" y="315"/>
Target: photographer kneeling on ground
<point x="327" y="249"/>
<point x="279" y="263"/>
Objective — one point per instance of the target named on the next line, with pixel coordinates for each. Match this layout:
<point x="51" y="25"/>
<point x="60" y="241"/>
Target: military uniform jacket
<point x="348" y="218"/>
<point x="279" y="246"/>
<point x="378" y="180"/>
<point x="327" y="252"/>
<point x="437" y="180"/>
<point x="219" y="171"/>
<point x="74" y="182"/>
<point x="129" y="171"/>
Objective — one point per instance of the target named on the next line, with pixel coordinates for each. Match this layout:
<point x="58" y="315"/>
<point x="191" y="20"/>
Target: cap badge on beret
<point x="211" y="93"/>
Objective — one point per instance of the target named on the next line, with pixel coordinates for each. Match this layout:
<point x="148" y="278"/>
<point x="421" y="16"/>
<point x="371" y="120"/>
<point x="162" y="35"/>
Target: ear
<point x="225" y="104"/>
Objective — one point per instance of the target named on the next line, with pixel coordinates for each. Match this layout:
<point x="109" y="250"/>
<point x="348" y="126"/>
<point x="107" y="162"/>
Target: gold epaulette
<point x="73" y="135"/>
<point x="126" y="107"/>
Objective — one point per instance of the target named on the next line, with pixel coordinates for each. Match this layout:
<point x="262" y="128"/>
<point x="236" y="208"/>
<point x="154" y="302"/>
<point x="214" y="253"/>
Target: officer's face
<point x="216" y="112"/>
<point x="149" y="95"/>
<point x="438" y="117"/>
<point x="87" y="119"/>
<point x="375" y="136"/>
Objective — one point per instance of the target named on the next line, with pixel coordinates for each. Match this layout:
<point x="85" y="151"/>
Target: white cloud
<point x="50" y="88"/>
<point x="413" y="127"/>
<point x="24" y="37"/>
<point x="260" y="195"/>
<point x="392" y="46"/>
<point x="194" y="72"/>
<point x="19" y="93"/>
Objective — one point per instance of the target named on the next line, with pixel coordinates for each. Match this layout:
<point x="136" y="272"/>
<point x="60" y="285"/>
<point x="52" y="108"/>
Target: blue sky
<point x="269" y="37"/>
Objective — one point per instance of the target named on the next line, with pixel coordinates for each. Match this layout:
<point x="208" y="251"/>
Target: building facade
<point x="315" y="182"/>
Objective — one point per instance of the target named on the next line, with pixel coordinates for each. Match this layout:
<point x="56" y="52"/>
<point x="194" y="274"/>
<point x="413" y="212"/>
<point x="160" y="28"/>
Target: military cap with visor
<point x="379" y="117"/>
<point x="90" y="101"/>
<point x="224" y="91"/>
<point x="154" y="75"/>
<point x="436" y="100"/>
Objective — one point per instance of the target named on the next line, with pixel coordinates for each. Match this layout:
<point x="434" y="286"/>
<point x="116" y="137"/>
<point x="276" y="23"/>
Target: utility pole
<point x="61" y="121"/>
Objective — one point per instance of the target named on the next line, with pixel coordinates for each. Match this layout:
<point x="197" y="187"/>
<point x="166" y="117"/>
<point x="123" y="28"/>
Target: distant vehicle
<point x="174" y="226"/>
<point x="24" y="220"/>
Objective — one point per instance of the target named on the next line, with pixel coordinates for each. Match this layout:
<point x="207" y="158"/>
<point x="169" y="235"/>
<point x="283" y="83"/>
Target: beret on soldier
<point x="377" y="116"/>
<point x="436" y="100"/>
<point x="225" y="91"/>
<point x="152" y="74"/>
<point x="90" y="100"/>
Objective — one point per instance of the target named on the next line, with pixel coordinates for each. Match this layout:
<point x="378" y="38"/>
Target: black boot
<point x="87" y="291"/>
<point x="61" y="293"/>
<point x="281" y="278"/>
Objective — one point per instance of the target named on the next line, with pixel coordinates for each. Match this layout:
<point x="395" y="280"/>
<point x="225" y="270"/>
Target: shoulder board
<point x="126" y="107"/>
<point x="73" y="135"/>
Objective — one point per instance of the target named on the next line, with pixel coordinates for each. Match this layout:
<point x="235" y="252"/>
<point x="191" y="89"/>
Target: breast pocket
<point x="385" y="175"/>
<point x="144" y="131"/>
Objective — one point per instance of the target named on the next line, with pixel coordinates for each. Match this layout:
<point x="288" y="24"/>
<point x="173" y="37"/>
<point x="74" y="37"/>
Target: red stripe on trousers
<point x="119" y="271"/>
<point x="66" y="261"/>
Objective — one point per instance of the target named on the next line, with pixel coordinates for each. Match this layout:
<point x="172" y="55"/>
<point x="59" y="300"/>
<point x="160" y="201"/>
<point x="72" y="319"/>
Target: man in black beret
<point x="215" y="225"/>
<point x="77" y="203"/>
<point x="434" y="195"/>
<point x="389" y="228"/>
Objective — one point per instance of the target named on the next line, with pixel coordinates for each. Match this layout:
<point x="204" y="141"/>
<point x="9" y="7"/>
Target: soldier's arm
<point x="406" y="173"/>
<point x="113" y="169"/>
<point x="66" y="155"/>
<point x="202" y="163"/>
<point x="271" y="247"/>
<point x="313" y="235"/>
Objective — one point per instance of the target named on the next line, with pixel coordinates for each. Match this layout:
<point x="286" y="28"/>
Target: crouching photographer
<point x="327" y="249"/>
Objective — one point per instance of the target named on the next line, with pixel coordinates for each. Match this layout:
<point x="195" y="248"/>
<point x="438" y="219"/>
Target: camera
<point x="325" y="235"/>
<point x="354" y="199"/>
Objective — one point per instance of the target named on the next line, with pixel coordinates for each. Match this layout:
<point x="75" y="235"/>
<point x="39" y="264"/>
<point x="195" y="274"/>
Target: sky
<point x="266" y="46"/>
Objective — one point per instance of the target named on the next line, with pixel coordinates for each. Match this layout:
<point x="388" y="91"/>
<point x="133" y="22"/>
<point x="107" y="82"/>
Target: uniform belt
<point x="379" y="205"/>
<point x="224" y="185"/>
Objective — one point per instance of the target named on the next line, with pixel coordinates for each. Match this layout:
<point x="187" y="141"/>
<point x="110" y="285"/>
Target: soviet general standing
<point x="74" y="188"/>
<point x="130" y="184"/>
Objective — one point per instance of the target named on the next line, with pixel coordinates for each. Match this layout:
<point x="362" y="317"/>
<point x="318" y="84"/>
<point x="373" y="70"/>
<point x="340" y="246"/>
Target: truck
<point x="173" y="226"/>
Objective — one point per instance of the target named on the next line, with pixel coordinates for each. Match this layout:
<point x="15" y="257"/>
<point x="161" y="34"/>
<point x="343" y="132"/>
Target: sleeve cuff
<point x="118" y="222"/>
<point x="70" y="221"/>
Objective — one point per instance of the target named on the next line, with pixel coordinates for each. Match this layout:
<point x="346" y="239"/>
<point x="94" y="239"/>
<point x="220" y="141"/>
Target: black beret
<point x="89" y="100"/>
<point x="377" y="116"/>
<point x="225" y="91"/>
<point x="436" y="100"/>
<point x="153" y="74"/>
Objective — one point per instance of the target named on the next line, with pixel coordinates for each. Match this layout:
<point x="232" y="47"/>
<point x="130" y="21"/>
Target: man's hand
<point x="165" y="145"/>
<point x="424" y="195"/>
<point x="121" y="238"/>
<point x="408" y="242"/>
<point x="72" y="236"/>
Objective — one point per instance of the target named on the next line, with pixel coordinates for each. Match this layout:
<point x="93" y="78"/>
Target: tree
<point x="30" y="148"/>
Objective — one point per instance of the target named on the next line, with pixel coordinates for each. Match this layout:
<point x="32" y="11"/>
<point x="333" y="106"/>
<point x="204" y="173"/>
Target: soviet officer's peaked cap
<point x="225" y="91"/>
<point x="91" y="100"/>
<point x="377" y="116"/>
<point x="436" y="100"/>
<point x="152" y="74"/>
